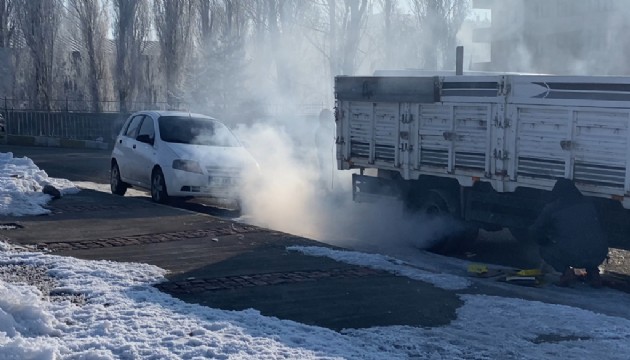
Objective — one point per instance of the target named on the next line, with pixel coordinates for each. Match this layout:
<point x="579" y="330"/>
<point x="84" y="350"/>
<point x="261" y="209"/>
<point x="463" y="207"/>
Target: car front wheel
<point x="117" y="186"/>
<point x="158" y="187"/>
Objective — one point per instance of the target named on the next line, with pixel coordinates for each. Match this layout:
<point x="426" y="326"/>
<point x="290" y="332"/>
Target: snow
<point x="122" y="316"/>
<point x="21" y="184"/>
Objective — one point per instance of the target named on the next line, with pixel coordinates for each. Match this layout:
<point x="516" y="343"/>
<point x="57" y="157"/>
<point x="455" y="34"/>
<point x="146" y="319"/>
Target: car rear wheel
<point x="159" y="193"/>
<point x="117" y="186"/>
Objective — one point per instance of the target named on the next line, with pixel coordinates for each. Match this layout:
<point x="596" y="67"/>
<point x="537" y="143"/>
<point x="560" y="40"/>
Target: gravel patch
<point x="37" y="276"/>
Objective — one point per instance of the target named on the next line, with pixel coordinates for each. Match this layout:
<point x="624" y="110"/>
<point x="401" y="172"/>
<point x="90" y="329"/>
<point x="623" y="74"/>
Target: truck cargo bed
<point x="510" y="131"/>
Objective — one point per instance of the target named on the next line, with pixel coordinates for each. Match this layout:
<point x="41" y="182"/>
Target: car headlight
<point x="187" y="165"/>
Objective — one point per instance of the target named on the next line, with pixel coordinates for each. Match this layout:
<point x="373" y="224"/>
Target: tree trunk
<point x="356" y="11"/>
<point x="131" y="29"/>
<point x="332" y="38"/>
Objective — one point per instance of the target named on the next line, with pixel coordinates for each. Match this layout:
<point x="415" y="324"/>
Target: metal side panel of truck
<point x="510" y="131"/>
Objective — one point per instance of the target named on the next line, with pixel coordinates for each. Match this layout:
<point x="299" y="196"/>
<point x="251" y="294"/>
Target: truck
<point x="487" y="149"/>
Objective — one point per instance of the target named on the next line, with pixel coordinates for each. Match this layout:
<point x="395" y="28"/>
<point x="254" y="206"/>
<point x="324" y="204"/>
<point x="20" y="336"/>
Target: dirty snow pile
<point x="21" y="184"/>
<point x="124" y="316"/>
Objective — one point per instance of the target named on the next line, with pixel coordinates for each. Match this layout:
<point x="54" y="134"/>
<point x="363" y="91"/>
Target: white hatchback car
<point x="178" y="154"/>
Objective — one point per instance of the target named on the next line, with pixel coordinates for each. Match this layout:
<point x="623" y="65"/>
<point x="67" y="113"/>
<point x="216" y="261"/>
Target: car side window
<point x="147" y="128"/>
<point x="134" y="125"/>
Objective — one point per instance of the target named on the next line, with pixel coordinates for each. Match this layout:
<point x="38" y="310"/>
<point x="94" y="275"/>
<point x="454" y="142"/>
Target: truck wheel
<point x="435" y="203"/>
<point x="520" y="234"/>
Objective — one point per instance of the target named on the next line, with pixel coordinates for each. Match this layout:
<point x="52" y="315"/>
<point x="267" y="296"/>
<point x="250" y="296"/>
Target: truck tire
<point x="438" y="203"/>
<point x="520" y="234"/>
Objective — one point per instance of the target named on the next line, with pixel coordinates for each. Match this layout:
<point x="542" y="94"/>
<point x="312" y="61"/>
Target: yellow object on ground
<point x="477" y="268"/>
<point x="529" y="272"/>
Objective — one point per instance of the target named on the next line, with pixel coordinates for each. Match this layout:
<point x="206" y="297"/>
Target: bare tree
<point x="342" y="26"/>
<point x="174" y="22"/>
<point x="235" y="21"/>
<point x="8" y="57"/>
<point x="257" y="13"/>
<point x="7" y="22"/>
<point x="439" y="21"/>
<point x="332" y="38"/>
<point x="216" y="83"/>
<point x="353" y="22"/>
<point x="389" y="8"/>
<point x="229" y="54"/>
<point x="92" y="22"/>
<point x="281" y="22"/>
<point x="131" y="28"/>
<point x="208" y="11"/>
<point x="39" y="22"/>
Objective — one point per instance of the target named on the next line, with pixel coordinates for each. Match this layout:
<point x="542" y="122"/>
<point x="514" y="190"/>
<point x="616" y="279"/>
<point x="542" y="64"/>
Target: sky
<point x="114" y="312"/>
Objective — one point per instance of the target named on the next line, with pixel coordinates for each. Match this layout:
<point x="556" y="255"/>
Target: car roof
<point x="158" y="113"/>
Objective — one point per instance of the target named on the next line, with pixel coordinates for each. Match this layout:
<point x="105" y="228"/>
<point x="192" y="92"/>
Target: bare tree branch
<point x="174" y="24"/>
<point x="439" y="21"/>
<point x="92" y="22"/>
<point x="131" y="28"/>
<point x="7" y="22"/>
<point x="39" y="22"/>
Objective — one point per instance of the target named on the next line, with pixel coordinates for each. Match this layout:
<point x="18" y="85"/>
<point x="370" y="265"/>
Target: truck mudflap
<point x="370" y="189"/>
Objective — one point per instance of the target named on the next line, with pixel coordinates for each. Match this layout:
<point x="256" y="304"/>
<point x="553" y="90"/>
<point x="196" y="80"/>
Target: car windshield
<point x="195" y="131"/>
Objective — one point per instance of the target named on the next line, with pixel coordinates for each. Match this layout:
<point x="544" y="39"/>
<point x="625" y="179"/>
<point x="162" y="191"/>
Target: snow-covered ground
<point x="59" y="307"/>
<point x="21" y="184"/>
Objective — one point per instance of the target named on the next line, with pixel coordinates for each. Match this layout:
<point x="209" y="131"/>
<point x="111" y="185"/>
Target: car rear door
<point x="125" y="146"/>
<point x="145" y="154"/>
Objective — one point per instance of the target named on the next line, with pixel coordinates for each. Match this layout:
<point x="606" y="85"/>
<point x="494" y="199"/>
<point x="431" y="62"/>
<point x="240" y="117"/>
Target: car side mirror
<point x="144" y="138"/>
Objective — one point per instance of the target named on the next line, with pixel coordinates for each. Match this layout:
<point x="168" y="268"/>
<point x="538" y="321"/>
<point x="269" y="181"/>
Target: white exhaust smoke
<point x="293" y="195"/>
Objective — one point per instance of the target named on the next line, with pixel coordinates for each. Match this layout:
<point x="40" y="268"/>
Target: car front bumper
<point x="182" y="184"/>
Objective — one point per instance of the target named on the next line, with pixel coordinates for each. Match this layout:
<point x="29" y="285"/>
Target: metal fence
<point x="77" y="123"/>
<point x="66" y="125"/>
<point x="85" y="106"/>
<point x="71" y="118"/>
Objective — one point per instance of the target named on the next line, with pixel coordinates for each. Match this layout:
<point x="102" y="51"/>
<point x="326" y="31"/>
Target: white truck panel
<point x="564" y="91"/>
<point x="510" y="131"/>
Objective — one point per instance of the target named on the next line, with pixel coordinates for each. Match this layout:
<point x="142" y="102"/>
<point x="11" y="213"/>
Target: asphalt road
<point x="71" y="164"/>
<point x="93" y="165"/>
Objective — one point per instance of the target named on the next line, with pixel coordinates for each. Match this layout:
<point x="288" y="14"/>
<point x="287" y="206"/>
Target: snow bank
<point x="21" y="184"/>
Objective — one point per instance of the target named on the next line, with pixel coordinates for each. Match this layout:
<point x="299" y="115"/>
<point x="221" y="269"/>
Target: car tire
<point x="159" y="193"/>
<point x="118" y="187"/>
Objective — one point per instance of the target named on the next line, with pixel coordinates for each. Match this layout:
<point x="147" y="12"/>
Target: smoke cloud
<point x="292" y="194"/>
<point x="288" y="76"/>
<point x="560" y="37"/>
